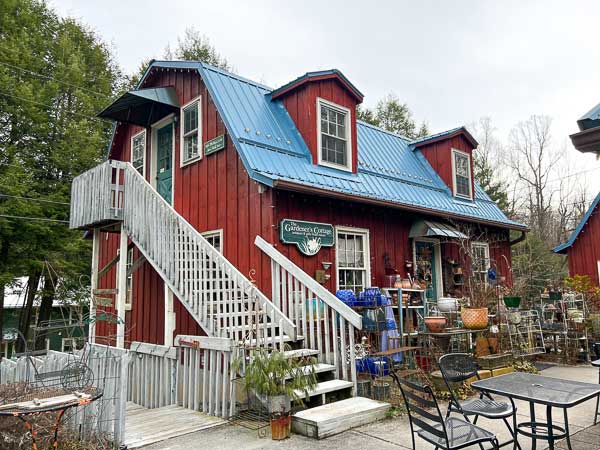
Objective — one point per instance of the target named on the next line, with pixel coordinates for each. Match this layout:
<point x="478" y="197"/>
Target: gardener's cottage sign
<point x="309" y="237"/>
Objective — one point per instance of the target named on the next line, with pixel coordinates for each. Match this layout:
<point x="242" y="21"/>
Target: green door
<point x="426" y="270"/>
<point x="164" y="158"/>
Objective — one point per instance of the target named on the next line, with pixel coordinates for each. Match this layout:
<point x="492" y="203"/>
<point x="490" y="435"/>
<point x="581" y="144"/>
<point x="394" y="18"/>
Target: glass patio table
<point x="547" y="391"/>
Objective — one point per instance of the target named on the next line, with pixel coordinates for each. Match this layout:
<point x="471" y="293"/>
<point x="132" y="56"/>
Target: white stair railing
<point x="327" y="324"/>
<point x="222" y="300"/>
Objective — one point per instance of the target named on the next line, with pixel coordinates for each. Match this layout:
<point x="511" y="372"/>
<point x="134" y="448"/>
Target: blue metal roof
<point x="563" y="247"/>
<point x="590" y="119"/>
<point x="320" y="73"/>
<point x="389" y="168"/>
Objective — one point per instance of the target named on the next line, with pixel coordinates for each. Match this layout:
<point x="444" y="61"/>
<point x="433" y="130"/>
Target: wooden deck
<point x="145" y="426"/>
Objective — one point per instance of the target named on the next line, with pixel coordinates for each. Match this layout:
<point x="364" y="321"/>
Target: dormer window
<point x="334" y="145"/>
<point x="461" y="173"/>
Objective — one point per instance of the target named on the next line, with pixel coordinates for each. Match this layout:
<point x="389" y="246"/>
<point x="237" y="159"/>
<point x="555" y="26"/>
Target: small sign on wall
<point x="214" y="145"/>
<point x="309" y="237"/>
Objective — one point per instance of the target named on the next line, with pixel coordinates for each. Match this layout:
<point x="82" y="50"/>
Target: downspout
<point x="519" y="239"/>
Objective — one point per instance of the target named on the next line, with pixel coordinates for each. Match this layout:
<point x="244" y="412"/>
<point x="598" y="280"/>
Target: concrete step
<point x="333" y="418"/>
<point x="301" y="353"/>
<point x="324" y="387"/>
<point x="319" y="368"/>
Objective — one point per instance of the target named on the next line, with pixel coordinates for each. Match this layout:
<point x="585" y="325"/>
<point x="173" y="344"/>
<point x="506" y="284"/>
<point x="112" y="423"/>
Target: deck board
<point x="147" y="426"/>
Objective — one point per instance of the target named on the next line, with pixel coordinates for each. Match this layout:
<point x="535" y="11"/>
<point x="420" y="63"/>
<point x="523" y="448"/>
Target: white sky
<point x="451" y="61"/>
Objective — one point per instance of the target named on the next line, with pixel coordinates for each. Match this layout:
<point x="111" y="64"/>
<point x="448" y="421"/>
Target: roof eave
<point x="286" y="185"/>
<point x="318" y="76"/>
<point x="587" y="141"/>
<point x="443" y="137"/>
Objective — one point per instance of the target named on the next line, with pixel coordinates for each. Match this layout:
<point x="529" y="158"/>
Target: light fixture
<point x="326" y="265"/>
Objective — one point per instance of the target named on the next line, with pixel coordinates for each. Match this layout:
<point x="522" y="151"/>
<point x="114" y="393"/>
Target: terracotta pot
<point x="474" y="318"/>
<point x="435" y="324"/>
<point x="280" y="426"/>
<point x="406" y="283"/>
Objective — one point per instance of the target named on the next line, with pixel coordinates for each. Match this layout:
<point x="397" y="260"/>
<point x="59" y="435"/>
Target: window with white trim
<point x="129" y="271"/>
<point x="191" y="135"/>
<point x="334" y="146"/>
<point x="138" y="152"/>
<point x="214" y="238"/>
<point x="461" y="171"/>
<point x="352" y="253"/>
<point x="480" y="260"/>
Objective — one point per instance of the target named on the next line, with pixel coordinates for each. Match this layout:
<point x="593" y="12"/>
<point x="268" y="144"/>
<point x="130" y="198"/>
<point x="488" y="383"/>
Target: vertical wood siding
<point x="301" y="104"/>
<point x="439" y="155"/>
<point x="213" y="193"/>
<point x="585" y="252"/>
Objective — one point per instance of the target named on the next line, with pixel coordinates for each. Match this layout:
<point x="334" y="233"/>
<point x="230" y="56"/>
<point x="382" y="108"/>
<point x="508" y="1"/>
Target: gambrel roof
<point x="391" y="169"/>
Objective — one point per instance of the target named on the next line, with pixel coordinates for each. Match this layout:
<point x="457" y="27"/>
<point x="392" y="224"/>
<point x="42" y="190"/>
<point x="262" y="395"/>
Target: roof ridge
<point x="434" y="135"/>
<point x="375" y="127"/>
<point x="573" y="236"/>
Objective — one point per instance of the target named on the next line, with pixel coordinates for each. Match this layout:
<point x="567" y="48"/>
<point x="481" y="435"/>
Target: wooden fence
<point x="109" y="366"/>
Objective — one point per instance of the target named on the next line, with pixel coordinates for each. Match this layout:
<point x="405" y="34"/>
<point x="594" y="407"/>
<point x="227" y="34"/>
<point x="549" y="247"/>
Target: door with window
<point x="164" y="161"/>
<point x="426" y="268"/>
<point x="352" y="253"/>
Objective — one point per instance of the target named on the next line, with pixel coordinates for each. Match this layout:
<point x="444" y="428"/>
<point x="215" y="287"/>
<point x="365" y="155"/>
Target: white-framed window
<point x="461" y="174"/>
<point x="480" y="260"/>
<point x="129" y="271"/>
<point x="352" y="259"/>
<point x="214" y="238"/>
<point x="69" y="345"/>
<point x="334" y="144"/>
<point x="138" y="152"/>
<point x="191" y="131"/>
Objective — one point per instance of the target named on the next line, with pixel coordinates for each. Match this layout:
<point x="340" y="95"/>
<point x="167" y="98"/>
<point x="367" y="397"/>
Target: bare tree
<point x="532" y="158"/>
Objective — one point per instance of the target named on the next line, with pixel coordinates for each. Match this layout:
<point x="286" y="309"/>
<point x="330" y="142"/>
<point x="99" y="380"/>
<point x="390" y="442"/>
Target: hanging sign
<point x="309" y="237"/>
<point x="214" y="145"/>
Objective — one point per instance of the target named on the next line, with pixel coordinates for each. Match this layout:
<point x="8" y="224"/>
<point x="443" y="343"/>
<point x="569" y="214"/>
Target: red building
<point x="334" y="200"/>
<point x="583" y="246"/>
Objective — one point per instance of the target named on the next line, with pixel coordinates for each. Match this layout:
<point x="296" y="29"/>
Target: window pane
<point x="190" y="120"/>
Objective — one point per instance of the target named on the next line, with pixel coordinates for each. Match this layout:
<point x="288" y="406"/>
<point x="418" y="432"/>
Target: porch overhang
<point x="587" y="141"/>
<point x="143" y="107"/>
<point x="428" y="228"/>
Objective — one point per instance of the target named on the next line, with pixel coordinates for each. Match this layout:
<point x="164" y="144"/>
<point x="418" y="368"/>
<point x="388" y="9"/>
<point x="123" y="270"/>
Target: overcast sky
<point x="450" y="61"/>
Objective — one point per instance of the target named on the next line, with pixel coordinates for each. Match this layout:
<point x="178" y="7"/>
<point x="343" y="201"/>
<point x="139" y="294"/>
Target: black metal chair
<point x="459" y="367"/>
<point x="426" y="421"/>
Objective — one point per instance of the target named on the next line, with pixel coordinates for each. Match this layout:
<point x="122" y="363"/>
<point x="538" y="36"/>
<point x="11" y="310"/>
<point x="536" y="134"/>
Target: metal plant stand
<point x="525" y="332"/>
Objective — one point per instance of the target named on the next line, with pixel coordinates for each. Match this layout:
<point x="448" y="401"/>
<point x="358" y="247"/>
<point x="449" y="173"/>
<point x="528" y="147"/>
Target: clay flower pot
<point x="474" y="318"/>
<point x="435" y="324"/>
<point x="280" y="426"/>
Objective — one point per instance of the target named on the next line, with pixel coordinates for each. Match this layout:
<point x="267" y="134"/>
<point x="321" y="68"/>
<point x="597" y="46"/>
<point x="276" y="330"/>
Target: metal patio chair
<point x="459" y="367"/>
<point x="427" y="422"/>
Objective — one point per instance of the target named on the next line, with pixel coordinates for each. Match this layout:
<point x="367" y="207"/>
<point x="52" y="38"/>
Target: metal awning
<point x="424" y="228"/>
<point x="143" y="106"/>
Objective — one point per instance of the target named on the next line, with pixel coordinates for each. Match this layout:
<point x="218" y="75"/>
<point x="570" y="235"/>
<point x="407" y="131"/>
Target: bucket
<point x="280" y="426"/>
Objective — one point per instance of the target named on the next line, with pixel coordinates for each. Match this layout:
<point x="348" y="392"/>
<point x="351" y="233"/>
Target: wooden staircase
<point x="229" y="308"/>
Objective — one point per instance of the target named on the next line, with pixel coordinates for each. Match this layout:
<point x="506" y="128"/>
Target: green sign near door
<point x="309" y="237"/>
<point x="214" y="145"/>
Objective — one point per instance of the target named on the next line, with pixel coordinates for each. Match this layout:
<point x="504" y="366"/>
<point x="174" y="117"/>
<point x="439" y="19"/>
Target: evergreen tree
<point x="394" y="116"/>
<point x="55" y="74"/>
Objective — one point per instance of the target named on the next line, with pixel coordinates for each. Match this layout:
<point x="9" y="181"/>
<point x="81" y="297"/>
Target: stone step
<point x="324" y="387"/>
<point x="333" y="418"/>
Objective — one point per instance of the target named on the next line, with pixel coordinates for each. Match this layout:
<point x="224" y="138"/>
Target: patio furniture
<point x="537" y="389"/>
<point x="426" y="421"/>
<point x="460" y="367"/>
<point x="596" y="363"/>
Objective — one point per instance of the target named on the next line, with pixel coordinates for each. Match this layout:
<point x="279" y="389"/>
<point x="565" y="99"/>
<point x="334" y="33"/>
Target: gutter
<point x="286" y="185"/>
<point x="519" y="239"/>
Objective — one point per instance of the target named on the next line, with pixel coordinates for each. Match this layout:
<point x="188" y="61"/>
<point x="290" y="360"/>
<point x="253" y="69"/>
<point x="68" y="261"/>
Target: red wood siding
<point x="388" y="236"/>
<point x="301" y="104"/>
<point x="585" y="252"/>
<point x="213" y="193"/>
<point x="439" y="155"/>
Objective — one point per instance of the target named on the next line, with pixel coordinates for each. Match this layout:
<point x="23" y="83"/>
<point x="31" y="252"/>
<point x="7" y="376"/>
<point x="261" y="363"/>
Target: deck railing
<point x="97" y="195"/>
<point x="222" y="300"/>
<point x="327" y="324"/>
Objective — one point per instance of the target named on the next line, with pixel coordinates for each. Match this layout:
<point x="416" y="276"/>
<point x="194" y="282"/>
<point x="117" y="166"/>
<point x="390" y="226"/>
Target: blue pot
<point x="347" y="296"/>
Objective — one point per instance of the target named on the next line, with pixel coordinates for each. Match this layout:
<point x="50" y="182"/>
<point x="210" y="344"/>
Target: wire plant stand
<point x="525" y="332"/>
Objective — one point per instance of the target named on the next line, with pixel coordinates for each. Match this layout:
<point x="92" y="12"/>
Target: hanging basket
<point x="474" y="318"/>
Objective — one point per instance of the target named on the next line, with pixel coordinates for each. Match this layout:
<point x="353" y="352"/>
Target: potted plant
<point x="474" y="314"/>
<point x="277" y="381"/>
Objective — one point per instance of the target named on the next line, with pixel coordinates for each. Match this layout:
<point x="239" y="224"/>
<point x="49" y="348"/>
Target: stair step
<point x="319" y="368"/>
<point x="269" y="340"/>
<point x="301" y="353"/>
<point x="325" y="387"/>
<point x="333" y="418"/>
